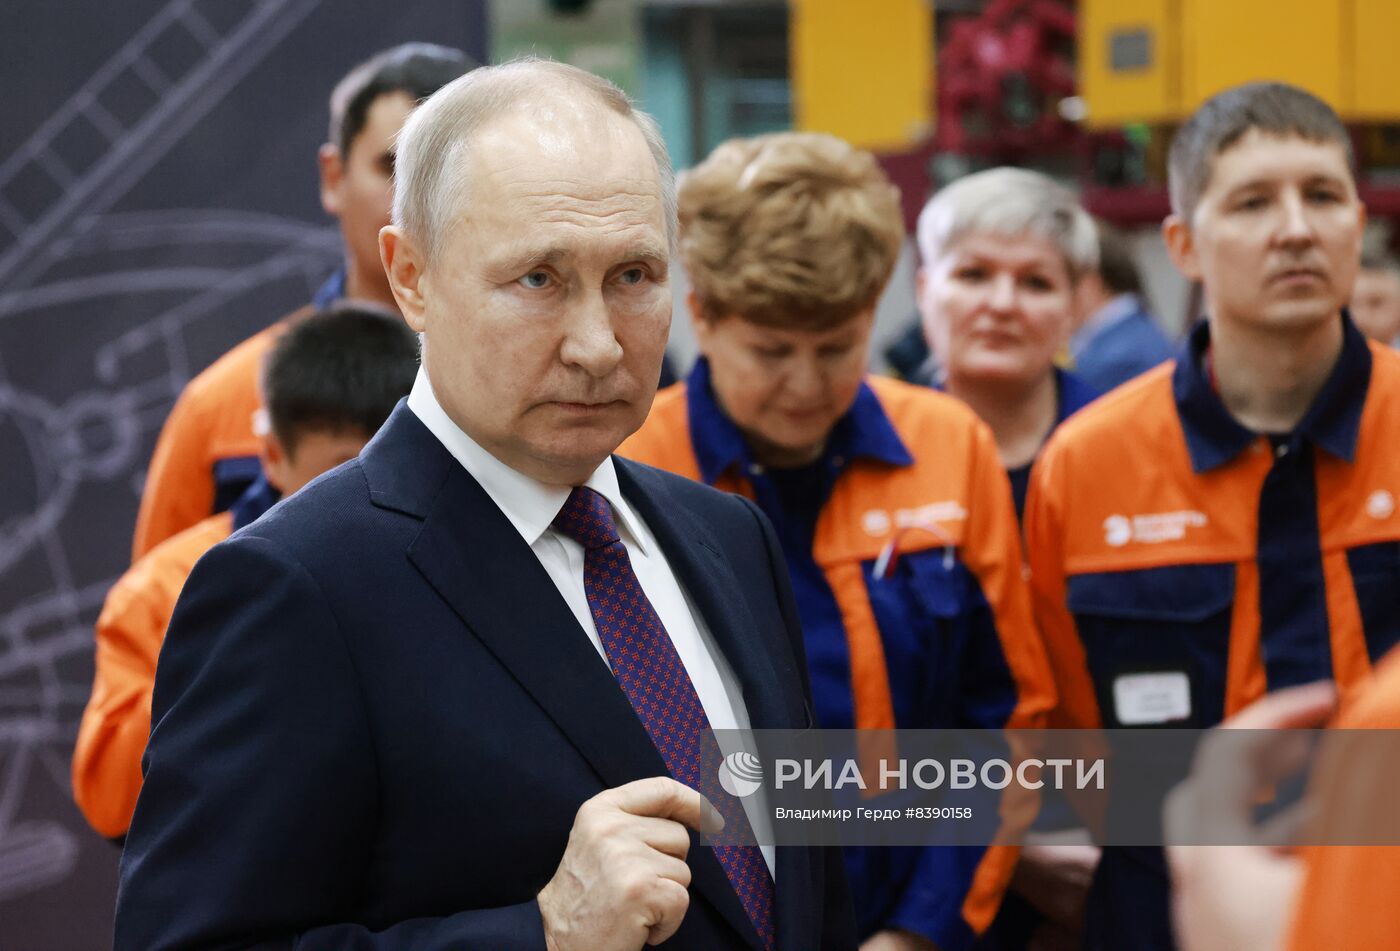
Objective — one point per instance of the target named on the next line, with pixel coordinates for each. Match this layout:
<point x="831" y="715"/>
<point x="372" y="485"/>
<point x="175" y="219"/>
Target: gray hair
<point x="429" y="178"/>
<point x="1010" y="202"/>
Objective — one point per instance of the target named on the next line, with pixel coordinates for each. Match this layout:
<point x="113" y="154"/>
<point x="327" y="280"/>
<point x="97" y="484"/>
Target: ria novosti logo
<point x="741" y="774"/>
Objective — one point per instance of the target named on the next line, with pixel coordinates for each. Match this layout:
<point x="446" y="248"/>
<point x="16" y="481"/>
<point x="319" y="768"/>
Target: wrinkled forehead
<point x="590" y="150"/>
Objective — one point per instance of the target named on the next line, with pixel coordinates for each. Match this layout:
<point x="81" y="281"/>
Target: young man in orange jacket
<point x="329" y="382"/>
<point x="1224" y="526"/>
<point x="207" y="453"/>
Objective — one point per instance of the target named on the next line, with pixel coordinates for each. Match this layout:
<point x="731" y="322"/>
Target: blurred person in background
<point x="207" y="452"/>
<point x="1262" y="893"/>
<point x="1224" y="526"/>
<point x="1003" y="251"/>
<point x="888" y="499"/>
<point x="1375" y="298"/>
<point x="907" y="354"/>
<point x="1117" y="338"/>
<point x="329" y="383"/>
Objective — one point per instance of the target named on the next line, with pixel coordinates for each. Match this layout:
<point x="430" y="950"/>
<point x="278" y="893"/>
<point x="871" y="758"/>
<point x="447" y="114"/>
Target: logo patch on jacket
<point x="1118" y="530"/>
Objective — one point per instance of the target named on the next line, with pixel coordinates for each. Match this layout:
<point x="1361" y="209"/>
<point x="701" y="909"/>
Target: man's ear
<point x="1181" y="245"/>
<point x="332" y="174"/>
<point x="403" y="264"/>
<point x="273" y="457"/>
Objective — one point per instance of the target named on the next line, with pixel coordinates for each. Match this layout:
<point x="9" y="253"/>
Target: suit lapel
<point x="477" y="562"/>
<point x="474" y="558"/>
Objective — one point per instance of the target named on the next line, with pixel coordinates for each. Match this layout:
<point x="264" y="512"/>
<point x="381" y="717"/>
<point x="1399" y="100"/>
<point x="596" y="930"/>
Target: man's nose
<point x="590" y="342"/>
<point x="1296" y="227"/>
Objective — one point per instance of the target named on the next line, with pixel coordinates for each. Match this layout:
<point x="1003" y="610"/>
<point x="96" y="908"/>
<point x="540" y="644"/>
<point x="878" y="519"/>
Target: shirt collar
<point x="529" y="505"/>
<point x="863" y="432"/>
<point x="1333" y="421"/>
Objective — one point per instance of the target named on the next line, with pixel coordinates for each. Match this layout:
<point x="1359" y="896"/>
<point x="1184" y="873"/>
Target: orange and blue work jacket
<point x="1183" y="565"/>
<point x="902" y="546"/>
<point x="207" y="453"/>
<point x="112" y="737"/>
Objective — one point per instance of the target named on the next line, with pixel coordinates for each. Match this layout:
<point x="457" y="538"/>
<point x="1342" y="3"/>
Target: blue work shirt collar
<point x="863" y="432"/>
<point x="255" y="500"/>
<point x="1214" y="437"/>
<point x="1071" y="393"/>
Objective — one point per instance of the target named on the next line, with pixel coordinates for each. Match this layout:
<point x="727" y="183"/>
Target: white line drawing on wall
<point x="135" y="107"/>
<point x="95" y="435"/>
<point x="53" y="191"/>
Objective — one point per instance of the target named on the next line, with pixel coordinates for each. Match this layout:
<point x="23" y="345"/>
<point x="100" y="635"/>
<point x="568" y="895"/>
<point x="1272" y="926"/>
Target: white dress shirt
<point x="531" y="506"/>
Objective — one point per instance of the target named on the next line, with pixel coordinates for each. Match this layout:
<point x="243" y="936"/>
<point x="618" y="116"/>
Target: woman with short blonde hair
<point x="888" y="500"/>
<point x="789" y="230"/>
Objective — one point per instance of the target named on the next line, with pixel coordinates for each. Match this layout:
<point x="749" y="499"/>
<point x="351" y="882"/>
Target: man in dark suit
<point x="443" y="696"/>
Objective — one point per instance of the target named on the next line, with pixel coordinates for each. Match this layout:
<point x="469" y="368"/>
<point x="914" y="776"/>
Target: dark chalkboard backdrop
<point x="158" y="204"/>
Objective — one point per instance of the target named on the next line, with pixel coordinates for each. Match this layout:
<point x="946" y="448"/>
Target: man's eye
<point x="535" y="280"/>
<point x="971" y="275"/>
<point x="633" y="275"/>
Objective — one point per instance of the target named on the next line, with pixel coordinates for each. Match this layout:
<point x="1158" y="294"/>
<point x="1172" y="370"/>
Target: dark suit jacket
<point x="375" y="718"/>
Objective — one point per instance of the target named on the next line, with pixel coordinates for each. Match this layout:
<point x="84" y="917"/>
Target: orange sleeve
<point x="1077" y="706"/>
<point x="992" y="552"/>
<point x="130" y="630"/>
<point x="1348" y="894"/>
<point x="179" y="488"/>
<point x="117" y="721"/>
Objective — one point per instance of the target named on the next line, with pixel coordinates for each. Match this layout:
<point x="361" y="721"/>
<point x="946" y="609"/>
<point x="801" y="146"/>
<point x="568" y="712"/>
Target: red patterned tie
<point x="650" y="673"/>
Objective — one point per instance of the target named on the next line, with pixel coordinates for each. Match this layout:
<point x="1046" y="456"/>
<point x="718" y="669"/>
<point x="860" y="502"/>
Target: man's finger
<point x="1292" y="708"/>
<point x="1283" y="830"/>
<point x="673" y="904"/>
<point x="663" y="798"/>
<point x="1245" y="757"/>
<point x="666" y="836"/>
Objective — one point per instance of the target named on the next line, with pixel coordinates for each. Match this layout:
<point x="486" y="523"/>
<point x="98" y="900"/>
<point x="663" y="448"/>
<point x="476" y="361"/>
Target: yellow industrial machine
<point x="1154" y="61"/>
<point x="863" y="71"/>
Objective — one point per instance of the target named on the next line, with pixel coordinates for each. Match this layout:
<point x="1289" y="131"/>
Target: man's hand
<point x="897" y="941"/>
<point x="1239" y="897"/>
<point x="1054" y="876"/>
<point x="623" y="880"/>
